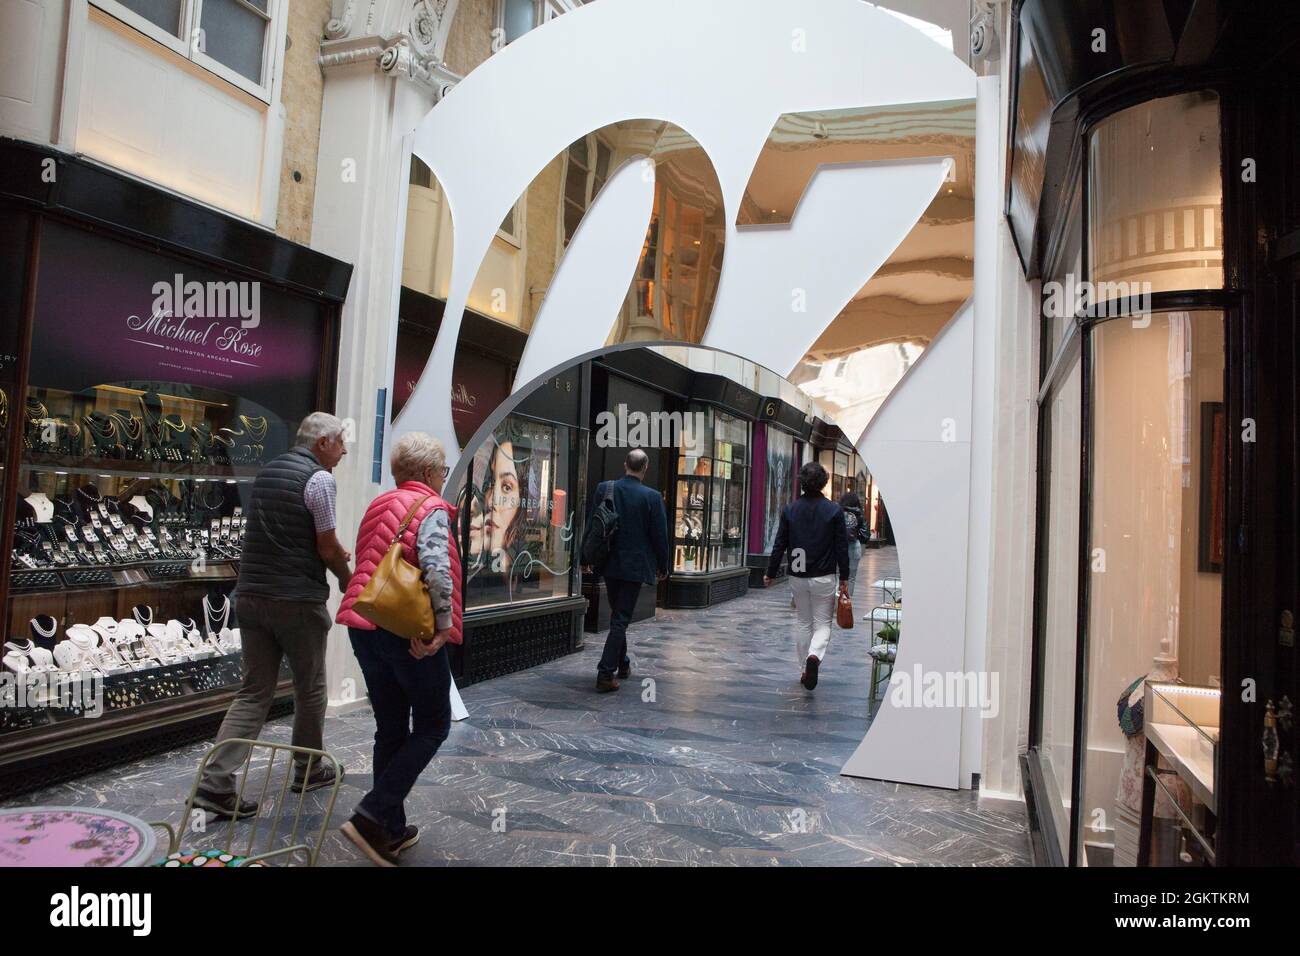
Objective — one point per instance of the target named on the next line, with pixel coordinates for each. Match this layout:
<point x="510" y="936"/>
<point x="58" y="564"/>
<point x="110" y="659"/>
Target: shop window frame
<point x="578" y="436"/>
<point x="1055" y="367"/>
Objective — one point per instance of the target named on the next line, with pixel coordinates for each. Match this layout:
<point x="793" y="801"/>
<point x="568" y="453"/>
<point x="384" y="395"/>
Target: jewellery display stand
<point x="131" y="532"/>
<point x="154" y="355"/>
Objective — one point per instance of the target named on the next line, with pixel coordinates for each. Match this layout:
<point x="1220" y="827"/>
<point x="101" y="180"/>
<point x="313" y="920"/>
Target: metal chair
<point x="296" y="840"/>
<point x="883" y="652"/>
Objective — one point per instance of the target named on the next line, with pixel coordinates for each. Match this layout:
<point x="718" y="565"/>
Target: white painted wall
<point x="77" y="78"/>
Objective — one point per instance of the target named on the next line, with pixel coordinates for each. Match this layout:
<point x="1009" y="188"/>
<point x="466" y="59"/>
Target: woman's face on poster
<point x="502" y="500"/>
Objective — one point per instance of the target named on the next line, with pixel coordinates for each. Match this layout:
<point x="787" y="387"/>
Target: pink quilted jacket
<point x="375" y="537"/>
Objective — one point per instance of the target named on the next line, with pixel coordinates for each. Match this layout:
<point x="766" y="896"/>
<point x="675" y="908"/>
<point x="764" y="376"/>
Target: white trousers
<point x="814" y="608"/>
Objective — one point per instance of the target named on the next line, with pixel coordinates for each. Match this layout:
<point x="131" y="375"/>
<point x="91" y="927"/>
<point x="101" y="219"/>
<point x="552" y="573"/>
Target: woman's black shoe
<point x="410" y="837"/>
<point x="372" y="840"/>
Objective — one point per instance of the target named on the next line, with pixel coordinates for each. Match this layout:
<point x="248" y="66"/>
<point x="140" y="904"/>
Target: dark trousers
<point x="622" y="602"/>
<point x="412" y="704"/>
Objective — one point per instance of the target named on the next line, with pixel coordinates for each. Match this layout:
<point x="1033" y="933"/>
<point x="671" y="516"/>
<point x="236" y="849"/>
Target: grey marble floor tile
<point x="711" y="755"/>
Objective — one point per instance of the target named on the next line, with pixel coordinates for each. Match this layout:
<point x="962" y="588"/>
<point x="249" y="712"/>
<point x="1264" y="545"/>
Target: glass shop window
<point x="1059" y="625"/>
<point x="1158" y="502"/>
<point x="695" y="468"/>
<point x="730" y="480"/>
<point x="781" y="486"/>
<point x="1156" y="197"/>
<point x="521" y="514"/>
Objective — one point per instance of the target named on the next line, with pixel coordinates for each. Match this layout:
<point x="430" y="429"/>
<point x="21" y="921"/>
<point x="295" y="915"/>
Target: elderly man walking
<point x="289" y="541"/>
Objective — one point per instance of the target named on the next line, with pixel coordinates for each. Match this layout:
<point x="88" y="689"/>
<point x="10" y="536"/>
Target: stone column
<point x="382" y="62"/>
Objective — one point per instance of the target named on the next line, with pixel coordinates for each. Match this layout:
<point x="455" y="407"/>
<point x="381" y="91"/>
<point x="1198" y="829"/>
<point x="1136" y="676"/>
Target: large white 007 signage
<point x="724" y="71"/>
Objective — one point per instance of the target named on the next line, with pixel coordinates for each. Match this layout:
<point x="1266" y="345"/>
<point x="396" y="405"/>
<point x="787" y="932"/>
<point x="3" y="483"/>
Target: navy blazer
<point x="814" y="525"/>
<point x="640" y="548"/>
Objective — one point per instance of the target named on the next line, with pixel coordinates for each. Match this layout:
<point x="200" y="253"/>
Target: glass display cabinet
<point x="145" y="395"/>
<point x="1178" y="787"/>
<point x="710" y="498"/>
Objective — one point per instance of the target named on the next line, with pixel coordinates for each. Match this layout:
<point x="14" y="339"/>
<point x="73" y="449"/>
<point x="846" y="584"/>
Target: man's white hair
<point x="316" y="426"/>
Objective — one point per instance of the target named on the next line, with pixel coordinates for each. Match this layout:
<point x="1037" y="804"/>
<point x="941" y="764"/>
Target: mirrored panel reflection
<point x="670" y="296"/>
<point x="881" y="333"/>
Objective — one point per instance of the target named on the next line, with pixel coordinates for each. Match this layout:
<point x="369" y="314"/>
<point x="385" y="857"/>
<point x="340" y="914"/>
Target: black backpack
<point x="599" y="535"/>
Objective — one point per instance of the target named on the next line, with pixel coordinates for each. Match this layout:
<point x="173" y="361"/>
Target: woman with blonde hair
<point x="409" y="681"/>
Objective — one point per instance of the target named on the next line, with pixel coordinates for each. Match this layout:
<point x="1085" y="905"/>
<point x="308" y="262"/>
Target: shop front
<point x="779" y="438"/>
<point x="709" y="518"/>
<point x="154" y="355"/>
<point x="638" y="384"/>
<point x="1164" y="673"/>
<point x="521" y="511"/>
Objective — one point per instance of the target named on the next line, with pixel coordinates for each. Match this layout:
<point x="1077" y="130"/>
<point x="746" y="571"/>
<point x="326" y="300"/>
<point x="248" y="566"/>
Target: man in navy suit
<point x="638" y="555"/>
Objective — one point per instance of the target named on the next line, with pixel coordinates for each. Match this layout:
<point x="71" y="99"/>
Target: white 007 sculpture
<point x="724" y="71"/>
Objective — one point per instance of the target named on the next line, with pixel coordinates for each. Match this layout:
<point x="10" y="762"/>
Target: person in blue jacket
<point x="638" y="555"/>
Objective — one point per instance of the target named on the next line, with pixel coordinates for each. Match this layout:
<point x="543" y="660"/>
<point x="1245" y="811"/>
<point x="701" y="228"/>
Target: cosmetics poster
<point x="111" y="313"/>
<point x="520" y="521"/>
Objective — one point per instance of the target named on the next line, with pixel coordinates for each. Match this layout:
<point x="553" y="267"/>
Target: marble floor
<point x="711" y="754"/>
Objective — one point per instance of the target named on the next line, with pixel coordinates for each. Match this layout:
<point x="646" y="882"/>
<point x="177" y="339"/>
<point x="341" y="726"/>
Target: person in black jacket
<point x="813" y="531"/>
<point x="855" y="524"/>
<point x="638" y="555"/>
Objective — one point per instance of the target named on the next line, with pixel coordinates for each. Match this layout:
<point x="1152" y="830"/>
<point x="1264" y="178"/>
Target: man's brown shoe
<point x="624" y="671"/>
<point x="605" y="684"/>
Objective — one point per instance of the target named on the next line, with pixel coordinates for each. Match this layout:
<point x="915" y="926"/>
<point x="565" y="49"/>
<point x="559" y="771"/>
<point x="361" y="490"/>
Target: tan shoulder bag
<point x="396" y="597"/>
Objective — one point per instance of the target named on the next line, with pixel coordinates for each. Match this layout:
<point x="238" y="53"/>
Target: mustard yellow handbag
<point x="396" y="597"/>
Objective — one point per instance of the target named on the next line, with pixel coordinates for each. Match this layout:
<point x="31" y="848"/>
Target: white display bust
<point x="139" y="503"/>
<point x="42" y="505"/>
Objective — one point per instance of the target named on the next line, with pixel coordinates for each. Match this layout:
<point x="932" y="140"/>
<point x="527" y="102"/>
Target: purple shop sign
<point x="110" y="312"/>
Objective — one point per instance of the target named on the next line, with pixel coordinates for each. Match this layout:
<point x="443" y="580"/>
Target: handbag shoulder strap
<point x="409" y="515"/>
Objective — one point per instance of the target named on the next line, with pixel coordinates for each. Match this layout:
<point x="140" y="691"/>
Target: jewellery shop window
<point x="712" y="475"/>
<point x="778" y="492"/>
<point x="156" y="390"/>
<point x="521" y="513"/>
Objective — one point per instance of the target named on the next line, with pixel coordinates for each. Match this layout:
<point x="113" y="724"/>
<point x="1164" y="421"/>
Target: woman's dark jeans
<point x="412" y="704"/>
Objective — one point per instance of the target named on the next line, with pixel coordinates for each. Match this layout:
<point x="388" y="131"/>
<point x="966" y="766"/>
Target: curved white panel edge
<point x="594" y="275"/>
<point x="724" y="71"/>
<point x="926" y="481"/>
<point x="782" y="285"/>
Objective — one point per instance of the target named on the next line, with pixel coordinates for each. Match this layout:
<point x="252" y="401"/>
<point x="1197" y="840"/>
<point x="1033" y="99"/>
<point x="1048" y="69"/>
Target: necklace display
<point x="103" y="432"/>
<point x="212" y="614"/>
<point x="256" y="426"/>
<point x="42" y="506"/>
<point x="43" y="625"/>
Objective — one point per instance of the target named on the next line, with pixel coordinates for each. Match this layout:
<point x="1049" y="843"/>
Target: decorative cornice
<point x="413" y="51"/>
